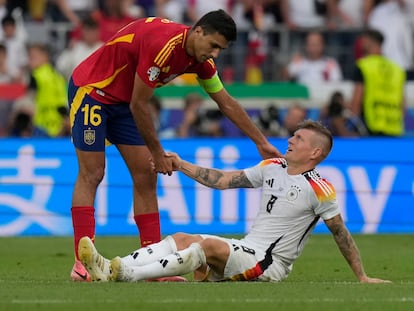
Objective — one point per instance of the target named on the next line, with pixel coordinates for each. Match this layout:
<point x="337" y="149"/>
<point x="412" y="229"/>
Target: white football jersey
<point x="290" y="207"/>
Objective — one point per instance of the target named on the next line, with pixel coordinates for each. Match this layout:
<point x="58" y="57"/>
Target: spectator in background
<point x="351" y="14"/>
<point x="16" y="47"/>
<point x="262" y="16"/>
<point x="149" y="6"/>
<point x="171" y="9"/>
<point x="66" y="128"/>
<point x="314" y="66"/>
<point x="378" y="94"/>
<point x="3" y="13"/>
<point x="198" y="121"/>
<point x="19" y="5"/>
<point x="197" y="8"/>
<point x="306" y="14"/>
<point x="63" y="11"/>
<point x="111" y="16"/>
<point x="22" y="126"/>
<point x="7" y="74"/>
<point x="408" y="10"/>
<point x="295" y="115"/>
<point x="17" y="14"/>
<point x="268" y="121"/>
<point x="339" y="119"/>
<point x="80" y="49"/>
<point x="133" y="9"/>
<point x="48" y="89"/>
<point x="271" y="13"/>
<point x="389" y="18"/>
<point x="43" y="10"/>
<point x="81" y="8"/>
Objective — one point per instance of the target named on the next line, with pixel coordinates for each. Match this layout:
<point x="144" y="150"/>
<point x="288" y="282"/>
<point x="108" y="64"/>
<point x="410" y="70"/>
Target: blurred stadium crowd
<point x="300" y="41"/>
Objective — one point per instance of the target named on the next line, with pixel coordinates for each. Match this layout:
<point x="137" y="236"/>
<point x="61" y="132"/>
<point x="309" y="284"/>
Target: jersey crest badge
<point x="89" y="136"/>
<point x="153" y="73"/>
<point x="293" y="193"/>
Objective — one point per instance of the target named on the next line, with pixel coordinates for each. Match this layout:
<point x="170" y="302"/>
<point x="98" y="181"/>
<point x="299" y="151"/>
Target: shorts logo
<point x="153" y="73"/>
<point x="99" y="92"/>
<point x="89" y="136"/>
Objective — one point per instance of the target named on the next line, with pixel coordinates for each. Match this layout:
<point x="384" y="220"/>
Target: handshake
<point x="167" y="163"/>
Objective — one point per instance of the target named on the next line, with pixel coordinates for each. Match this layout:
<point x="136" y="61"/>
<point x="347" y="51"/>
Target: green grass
<point x="34" y="275"/>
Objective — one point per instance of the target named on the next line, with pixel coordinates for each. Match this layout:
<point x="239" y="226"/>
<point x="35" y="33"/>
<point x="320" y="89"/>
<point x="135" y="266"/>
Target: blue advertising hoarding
<point x="373" y="179"/>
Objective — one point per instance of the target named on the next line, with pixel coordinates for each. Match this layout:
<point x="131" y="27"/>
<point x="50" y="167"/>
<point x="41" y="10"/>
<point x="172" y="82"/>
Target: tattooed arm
<point x="210" y="177"/>
<point x="349" y="250"/>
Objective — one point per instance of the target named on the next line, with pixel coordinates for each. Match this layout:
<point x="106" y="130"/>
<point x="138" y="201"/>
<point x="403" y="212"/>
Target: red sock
<point x="149" y="228"/>
<point x="83" y="221"/>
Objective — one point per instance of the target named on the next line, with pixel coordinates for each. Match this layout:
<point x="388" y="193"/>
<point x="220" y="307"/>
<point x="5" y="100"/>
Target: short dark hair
<point x="89" y="22"/>
<point x="374" y="35"/>
<point x="320" y="129"/>
<point x="218" y="21"/>
<point x="8" y="20"/>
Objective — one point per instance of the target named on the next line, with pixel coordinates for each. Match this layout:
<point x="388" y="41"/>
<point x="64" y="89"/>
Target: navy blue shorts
<point x="94" y="124"/>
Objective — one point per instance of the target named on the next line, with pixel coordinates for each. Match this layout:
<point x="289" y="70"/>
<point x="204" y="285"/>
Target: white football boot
<point x="95" y="263"/>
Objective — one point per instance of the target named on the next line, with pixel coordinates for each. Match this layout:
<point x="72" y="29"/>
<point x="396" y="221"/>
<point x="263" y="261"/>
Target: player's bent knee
<point x="215" y="248"/>
<point x="184" y="240"/>
<point x="93" y="177"/>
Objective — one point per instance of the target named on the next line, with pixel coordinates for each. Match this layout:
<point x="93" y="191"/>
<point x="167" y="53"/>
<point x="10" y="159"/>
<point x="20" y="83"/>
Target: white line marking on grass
<point x="229" y="300"/>
<point x="56" y="301"/>
<point x="40" y="301"/>
<point x="281" y="300"/>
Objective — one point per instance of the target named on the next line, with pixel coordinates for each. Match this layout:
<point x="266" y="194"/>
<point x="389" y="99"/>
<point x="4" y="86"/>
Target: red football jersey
<point x="154" y="48"/>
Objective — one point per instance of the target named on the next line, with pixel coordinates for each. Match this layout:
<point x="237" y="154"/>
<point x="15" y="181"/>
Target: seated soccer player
<point x="294" y="198"/>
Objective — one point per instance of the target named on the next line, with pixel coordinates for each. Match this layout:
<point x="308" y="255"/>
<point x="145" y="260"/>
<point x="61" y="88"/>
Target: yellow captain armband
<point x="212" y="85"/>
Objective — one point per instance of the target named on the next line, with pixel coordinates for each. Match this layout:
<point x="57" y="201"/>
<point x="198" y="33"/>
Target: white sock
<point x="151" y="253"/>
<point x="178" y="263"/>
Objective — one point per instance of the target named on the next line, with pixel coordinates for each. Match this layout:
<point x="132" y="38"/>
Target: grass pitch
<point x="34" y="275"/>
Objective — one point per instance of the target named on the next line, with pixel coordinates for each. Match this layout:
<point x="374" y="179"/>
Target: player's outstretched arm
<point x="349" y="249"/>
<point x="213" y="178"/>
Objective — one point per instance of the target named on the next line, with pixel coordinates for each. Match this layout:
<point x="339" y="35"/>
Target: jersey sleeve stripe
<point x="166" y="50"/>
<point x="279" y="161"/>
<point x="162" y="58"/>
<point x="323" y="189"/>
<point x="126" y="39"/>
<point x="322" y="184"/>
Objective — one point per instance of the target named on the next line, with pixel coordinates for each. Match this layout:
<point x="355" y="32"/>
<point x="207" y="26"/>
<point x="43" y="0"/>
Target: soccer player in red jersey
<point x="108" y="96"/>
